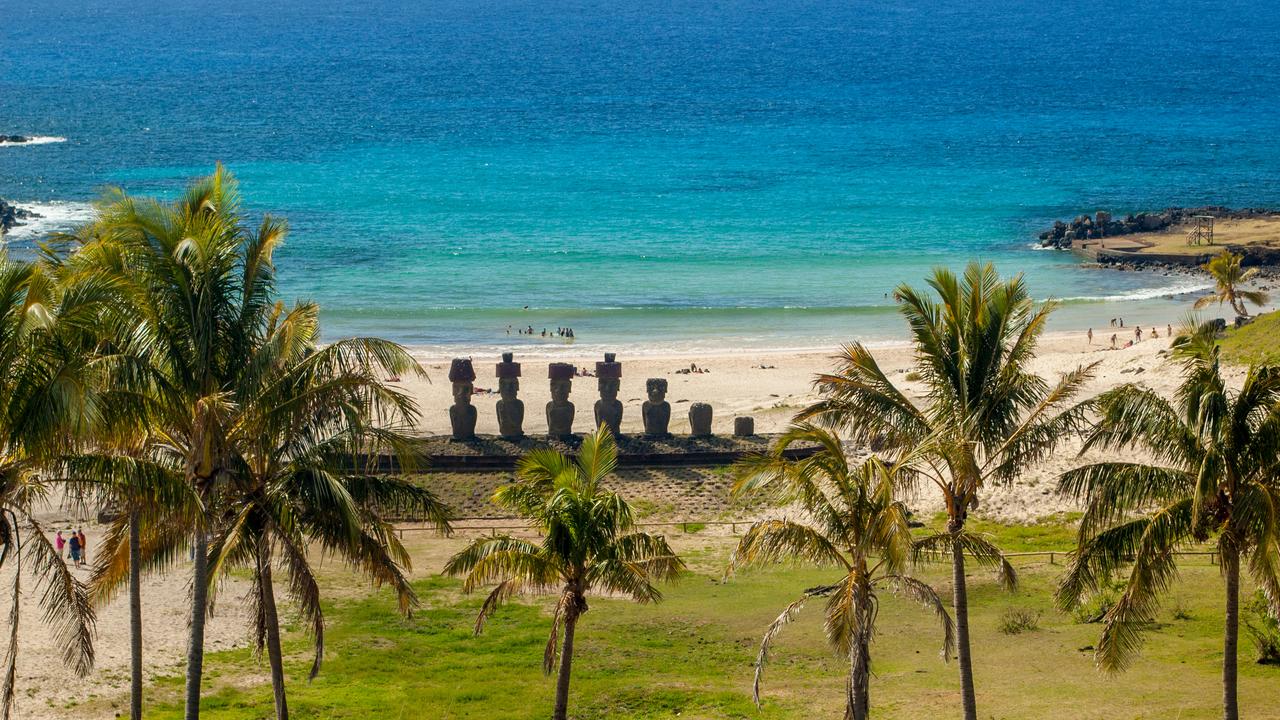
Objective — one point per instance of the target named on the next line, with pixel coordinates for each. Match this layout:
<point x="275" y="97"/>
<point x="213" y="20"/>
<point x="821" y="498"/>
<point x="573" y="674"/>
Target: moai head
<point x="508" y="373"/>
<point x="561" y="376"/>
<point x="609" y="373"/>
<point x="463" y="376"/>
<point x="657" y="389"/>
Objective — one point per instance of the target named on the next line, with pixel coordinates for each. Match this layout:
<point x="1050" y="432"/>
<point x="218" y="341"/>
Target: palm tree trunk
<point x="859" y="701"/>
<point x="135" y="618"/>
<point x="1231" y="568"/>
<point x="566" y="664"/>
<point x="272" y="621"/>
<point x="960" y="600"/>
<point x="199" y="606"/>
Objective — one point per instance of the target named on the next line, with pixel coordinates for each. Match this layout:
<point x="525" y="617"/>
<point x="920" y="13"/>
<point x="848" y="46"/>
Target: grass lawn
<point x="692" y="655"/>
<point x="1257" y="343"/>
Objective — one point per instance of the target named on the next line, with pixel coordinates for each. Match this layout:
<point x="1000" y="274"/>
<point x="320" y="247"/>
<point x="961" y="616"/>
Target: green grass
<point x="691" y="656"/>
<point x="1255" y="343"/>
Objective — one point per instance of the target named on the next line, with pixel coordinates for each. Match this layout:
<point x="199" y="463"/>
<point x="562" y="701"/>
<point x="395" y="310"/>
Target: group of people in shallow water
<point x="1137" y="333"/>
<point x="564" y="332"/>
<point x="73" y="543"/>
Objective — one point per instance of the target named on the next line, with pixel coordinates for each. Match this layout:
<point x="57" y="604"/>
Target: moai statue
<point x="462" y="414"/>
<point x="700" y="420"/>
<point x="560" y="410"/>
<point x="744" y="426"/>
<point x="608" y="407"/>
<point x="510" y="408"/>
<point x="656" y="410"/>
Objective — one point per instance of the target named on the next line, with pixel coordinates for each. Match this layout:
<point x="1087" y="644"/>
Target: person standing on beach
<point x="1090" y="336"/>
<point x="1137" y="334"/>
<point x="84" y="547"/>
<point x="61" y="544"/>
<point x="74" y="544"/>
<point x="1168" y="331"/>
<point x="1113" y="341"/>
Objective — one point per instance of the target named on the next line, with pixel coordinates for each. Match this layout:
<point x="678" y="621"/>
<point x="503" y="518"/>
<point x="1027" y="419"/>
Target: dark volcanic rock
<point x="1104" y="225"/>
<point x="14" y="139"/>
<point x="11" y="216"/>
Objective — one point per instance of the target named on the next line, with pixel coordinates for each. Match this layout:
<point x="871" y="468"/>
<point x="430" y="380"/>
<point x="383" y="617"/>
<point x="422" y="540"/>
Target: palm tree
<point x="1212" y="477"/>
<point x="298" y="440"/>
<point x="199" y="286"/>
<point x="856" y="524"/>
<point x="47" y="401"/>
<point x="153" y="504"/>
<point x="200" y="291"/>
<point x="1228" y="276"/>
<point x="986" y="416"/>
<point x="589" y="542"/>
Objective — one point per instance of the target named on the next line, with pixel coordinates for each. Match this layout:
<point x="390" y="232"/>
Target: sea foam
<point x="34" y="140"/>
<point x="54" y="216"/>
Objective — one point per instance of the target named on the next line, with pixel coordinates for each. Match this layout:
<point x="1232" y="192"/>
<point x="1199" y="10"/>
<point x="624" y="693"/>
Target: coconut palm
<point x="152" y="504"/>
<point x="984" y="416"/>
<point x="856" y="524"/>
<point x="298" y="477"/>
<point x="589" y="543"/>
<point x="1228" y="277"/>
<point x="200" y="292"/>
<point x="47" y="400"/>
<point x="1211" y="477"/>
<point x="199" y="284"/>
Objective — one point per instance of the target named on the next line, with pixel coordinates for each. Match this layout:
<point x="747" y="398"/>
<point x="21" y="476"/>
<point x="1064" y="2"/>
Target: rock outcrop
<point x="14" y="139"/>
<point x="1103" y="225"/>
<point x="12" y="216"/>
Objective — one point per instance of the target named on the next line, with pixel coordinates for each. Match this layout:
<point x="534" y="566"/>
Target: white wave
<point x="54" y="216"/>
<point x="34" y="140"/>
<point x="1145" y="293"/>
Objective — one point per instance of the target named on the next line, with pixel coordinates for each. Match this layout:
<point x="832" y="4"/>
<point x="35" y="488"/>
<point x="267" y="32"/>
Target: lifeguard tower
<point x="1202" y="232"/>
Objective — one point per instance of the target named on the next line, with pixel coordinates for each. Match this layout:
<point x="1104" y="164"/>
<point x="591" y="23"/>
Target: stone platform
<point x="485" y="453"/>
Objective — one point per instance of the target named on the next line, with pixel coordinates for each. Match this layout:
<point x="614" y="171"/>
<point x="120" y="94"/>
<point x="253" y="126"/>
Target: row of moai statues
<point x="656" y="411"/>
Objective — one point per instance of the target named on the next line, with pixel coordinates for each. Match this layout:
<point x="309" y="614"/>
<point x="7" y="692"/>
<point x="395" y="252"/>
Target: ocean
<point x="679" y="175"/>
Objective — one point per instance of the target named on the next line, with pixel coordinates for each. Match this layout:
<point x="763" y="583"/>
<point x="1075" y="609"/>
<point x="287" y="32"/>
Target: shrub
<point x="1263" y="629"/>
<point x="1098" y="604"/>
<point x="1180" y="611"/>
<point x="1016" y="621"/>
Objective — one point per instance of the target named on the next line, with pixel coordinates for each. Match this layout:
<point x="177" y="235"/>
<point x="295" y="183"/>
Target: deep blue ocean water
<point x="687" y="173"/>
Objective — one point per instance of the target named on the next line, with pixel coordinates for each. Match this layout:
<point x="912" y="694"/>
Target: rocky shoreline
<point x="1102" y="224"/>
<point x="12" y="216"/>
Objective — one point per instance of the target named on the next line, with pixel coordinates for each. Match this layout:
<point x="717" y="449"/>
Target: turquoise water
<point x="677" y="175"/>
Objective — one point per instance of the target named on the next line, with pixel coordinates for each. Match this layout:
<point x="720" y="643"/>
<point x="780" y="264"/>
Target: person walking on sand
<point x="1090" y="336"/>
<point x="74" y="545"/>
<point x="61" y="544"/>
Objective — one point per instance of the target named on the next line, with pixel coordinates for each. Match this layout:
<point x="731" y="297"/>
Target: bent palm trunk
<point x="135" y="618"/>
<point x="1231" y="568"/>
<point x="566" y="665"/>
<point x="272" y="622"/>
<point x="960" y="599"/>
<point x="199" y="606"/>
